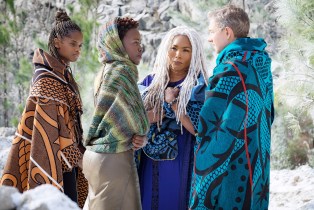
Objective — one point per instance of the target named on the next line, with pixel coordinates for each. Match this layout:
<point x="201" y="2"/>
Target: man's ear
<point x="57" y="43"/>
<point x="229" y="33"/>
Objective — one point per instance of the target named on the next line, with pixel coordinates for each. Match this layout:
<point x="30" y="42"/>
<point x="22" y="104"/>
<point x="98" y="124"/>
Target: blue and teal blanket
<point x="232" y="155"/>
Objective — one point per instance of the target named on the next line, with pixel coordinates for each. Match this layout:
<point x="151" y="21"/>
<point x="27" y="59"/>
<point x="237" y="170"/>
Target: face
<point x="69" y="48"/>
<point x="219" y="37"/>
<point x="132" y="44"/>
<point x="180" y="53"/>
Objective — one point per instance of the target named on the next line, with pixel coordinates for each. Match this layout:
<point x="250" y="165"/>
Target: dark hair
<point x="234" y="17"/>
<point x="63" y="26"/>
<point x="124" y="25"/>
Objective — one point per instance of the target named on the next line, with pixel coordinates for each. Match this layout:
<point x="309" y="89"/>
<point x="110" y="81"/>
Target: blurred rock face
<point x="155" y="17"/>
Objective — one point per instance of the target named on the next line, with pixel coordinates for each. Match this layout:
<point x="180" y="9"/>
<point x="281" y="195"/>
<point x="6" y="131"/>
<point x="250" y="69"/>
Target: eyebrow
<point x="73" y="40"/>
<point x="182" y="47"/>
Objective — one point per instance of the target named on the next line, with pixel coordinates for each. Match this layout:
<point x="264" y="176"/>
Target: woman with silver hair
<point x="173" y="96"/>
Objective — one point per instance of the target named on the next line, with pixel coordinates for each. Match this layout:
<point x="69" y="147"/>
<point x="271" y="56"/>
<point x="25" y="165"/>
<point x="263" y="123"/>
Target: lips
<point x="177" y="62"/>
<point x="76" y="55"/>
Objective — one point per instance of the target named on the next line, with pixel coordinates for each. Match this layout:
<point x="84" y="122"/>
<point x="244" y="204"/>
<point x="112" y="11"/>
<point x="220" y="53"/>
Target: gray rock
<point x="6" y="131"/>
<point x="46" y="197"/>
<point x="165" y="17"/>
<point x="144" y="21"/>
<point x="307" y="206"/>
<point x="10" y="198"/>
<point x="163" y="6"/>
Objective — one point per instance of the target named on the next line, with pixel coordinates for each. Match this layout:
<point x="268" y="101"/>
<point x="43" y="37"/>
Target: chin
<point x="136" y="62"/>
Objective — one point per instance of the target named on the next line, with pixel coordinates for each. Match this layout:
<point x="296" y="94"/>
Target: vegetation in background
<point x="295" y="90"/>
<point x="11" y="47"/>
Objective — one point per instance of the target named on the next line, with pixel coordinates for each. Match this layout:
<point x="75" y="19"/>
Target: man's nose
<point x="141" y="48"/>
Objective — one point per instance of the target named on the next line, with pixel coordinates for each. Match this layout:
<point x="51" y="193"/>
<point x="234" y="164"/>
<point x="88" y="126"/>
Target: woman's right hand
<point x="171" y="94"/>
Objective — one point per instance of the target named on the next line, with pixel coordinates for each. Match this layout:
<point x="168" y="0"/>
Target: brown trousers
<point x="113" y="181"/>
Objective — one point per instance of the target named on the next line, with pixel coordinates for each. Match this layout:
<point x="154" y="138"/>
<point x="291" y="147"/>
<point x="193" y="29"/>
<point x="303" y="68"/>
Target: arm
<point x="119" y="113"/>
<point x="152" y="117"/>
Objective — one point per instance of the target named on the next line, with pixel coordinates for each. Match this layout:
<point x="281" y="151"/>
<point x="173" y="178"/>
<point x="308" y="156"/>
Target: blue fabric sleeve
<point x="193" y="109"/>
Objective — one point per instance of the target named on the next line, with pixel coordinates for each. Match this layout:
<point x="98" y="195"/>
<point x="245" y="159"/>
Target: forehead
<point x="212" y="24"/>
<point x="74" y="35"/>
<point x="132" y="34"/>
<point x="181" y="40"/>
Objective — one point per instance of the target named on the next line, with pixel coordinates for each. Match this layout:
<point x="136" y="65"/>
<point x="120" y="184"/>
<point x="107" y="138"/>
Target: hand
<point x="139" y="142"/>
<point x="171" y="94"/>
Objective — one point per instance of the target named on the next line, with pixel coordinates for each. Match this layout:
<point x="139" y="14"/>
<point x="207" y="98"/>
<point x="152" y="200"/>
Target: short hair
<point x="233" y="17"/>
<point x="63" y="26"/>
<point x="124" y="25"/>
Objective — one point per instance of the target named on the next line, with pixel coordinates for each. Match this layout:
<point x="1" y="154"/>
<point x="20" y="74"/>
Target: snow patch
<point x="43" y="197"/>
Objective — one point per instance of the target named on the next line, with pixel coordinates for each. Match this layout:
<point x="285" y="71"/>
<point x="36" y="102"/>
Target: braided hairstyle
<point x="62" y="28"/>
<point x="154" y="98"/>
<point x="124" y="25"/>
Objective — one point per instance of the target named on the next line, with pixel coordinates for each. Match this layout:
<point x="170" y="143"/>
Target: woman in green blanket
<point x="120" y="124"/>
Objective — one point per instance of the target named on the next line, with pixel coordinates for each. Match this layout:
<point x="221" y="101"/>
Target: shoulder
<point x="119" y="71"/>
<point x="147" y="80"/>
<point x="44" y="72"/>
<point x="47" y="86"/>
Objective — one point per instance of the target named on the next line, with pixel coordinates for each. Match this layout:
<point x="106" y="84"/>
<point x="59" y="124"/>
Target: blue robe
<point x="238" y="110"/>
<point x="166" y="162"/>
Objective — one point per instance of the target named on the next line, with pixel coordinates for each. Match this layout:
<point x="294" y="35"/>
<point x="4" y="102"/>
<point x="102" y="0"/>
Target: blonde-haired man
<point x="231" y="168"/>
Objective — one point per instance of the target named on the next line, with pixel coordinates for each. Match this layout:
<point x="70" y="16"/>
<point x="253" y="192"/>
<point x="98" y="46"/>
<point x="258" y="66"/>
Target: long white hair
<point x="155" y="92"/>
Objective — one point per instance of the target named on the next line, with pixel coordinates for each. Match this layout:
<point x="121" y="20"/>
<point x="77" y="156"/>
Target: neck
<point x="65" y="63"/>
<point x="177" y="75"/>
